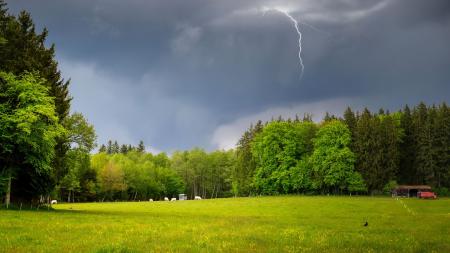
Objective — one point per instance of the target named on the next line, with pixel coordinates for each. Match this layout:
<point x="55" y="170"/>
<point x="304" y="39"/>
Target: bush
<point x="387" y="189"/>
<point x="443" y="192"/>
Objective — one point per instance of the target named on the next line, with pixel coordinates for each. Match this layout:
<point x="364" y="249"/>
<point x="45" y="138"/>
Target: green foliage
<point x="141" y="147"/>
<point x="443" y="192"/>
<point x="205" y="174"/>
<point x="103" y="149"/>
<point x="111" y="180"/>
<point x="22" y="50"/>
<point x="29" y="128"/>
<point x="161" y="160"/>
<point x="78" y="176"/>
<point x="242" y="175"/>
<point x="377" y="147"/>
<point x="387" y="189"/>
<point x="135" y="176"/>
<point x="277" y="149"/>
<point x="81" y="134"/>
<point x="301" y="176"/>
<point x="333" y="161"/>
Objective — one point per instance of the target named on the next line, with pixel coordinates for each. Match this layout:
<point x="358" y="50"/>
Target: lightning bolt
<point x="295" y="22"/>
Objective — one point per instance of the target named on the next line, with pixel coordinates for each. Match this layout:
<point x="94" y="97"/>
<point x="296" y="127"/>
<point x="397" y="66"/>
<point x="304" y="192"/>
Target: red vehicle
<point x="426" y="195"/>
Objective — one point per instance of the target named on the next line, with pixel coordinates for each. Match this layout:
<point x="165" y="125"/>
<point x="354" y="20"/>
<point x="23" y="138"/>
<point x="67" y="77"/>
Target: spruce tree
<point x="407" y="173"/>
<point x="364" y="149"/>
<point x="443" y="142"/>
<point x="123" y="149"/>
<point x="115" y="148"/>
<point x="109" y="148"/>
<point x="141" y="147"/>
<point x="390" y="137"/>
<point x="350" y="119"/>
<point x="423" y="161"/>
<point x="102" y="148"/>
<point x="307" y="117"/>
<point x="245" y="162"/>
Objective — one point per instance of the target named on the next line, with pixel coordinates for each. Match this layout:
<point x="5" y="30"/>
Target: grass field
<point x="265" y="224"/>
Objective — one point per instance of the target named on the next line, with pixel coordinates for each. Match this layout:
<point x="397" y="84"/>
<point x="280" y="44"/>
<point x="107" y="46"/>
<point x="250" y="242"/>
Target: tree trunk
<point x="214" y="189"/>
<point x="8" y="193"/>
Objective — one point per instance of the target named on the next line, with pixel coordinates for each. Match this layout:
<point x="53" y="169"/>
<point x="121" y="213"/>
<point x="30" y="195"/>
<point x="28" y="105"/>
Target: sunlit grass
<point x="265" y="224"/>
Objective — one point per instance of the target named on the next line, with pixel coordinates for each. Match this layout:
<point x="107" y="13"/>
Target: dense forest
<point x="46" y="152"/>
<point x="361" y="152"/>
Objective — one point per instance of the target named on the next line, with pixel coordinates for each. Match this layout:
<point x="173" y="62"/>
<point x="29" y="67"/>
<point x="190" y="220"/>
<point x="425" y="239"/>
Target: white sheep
<point x="54" y="201"/>
<point x="173" y="199"/>
<point x="166" y="199"/>
<point x="197" y="198"/>
<point x="151" y="200"/>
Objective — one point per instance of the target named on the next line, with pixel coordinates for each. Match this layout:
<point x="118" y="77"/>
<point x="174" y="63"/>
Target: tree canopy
<point x="29" y="128"/>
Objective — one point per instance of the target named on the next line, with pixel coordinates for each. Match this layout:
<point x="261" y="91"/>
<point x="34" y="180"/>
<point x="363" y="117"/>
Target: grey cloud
<point x="173" y="72"/>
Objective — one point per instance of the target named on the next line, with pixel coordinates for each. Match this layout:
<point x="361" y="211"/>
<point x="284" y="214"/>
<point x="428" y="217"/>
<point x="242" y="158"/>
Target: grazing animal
<point x="173" y="199"/>
<point x="366" y="224"/>
<point x="54" y="201"/>
<point x="166" y="199"/>
<point x="197" y="198"/>
<point x="151" y="200"/>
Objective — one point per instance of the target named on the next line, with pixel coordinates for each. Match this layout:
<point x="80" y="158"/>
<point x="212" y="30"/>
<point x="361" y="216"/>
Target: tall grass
<point x="263" y="224"/>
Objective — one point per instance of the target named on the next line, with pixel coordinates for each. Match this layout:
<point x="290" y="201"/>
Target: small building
<point x="409" y="190"/>
<point x="182" y="197"/>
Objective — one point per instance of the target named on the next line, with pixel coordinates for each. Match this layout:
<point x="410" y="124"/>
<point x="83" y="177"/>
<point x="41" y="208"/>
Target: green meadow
<point x="260" y="224"/>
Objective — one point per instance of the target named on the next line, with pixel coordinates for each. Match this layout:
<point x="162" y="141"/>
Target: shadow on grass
<point x="155" y="213"/>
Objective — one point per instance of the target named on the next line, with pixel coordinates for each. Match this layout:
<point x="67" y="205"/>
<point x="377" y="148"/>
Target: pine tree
<point x="440" y="132"/>
<point x="443" y="142"/>
<point x="327" y="117"/>
<point x="141" y="147"/>
<point x="115" y="148"/>
<point x="350" y="121"/>
<point x="407" y="171"/>
<point x="307" y="117"/>
<point x="245" y="162"/>
<point x="390" y="136"/>
<point x="102" y="148"/>
<point x="423" y="162"/>
<point x="109" y="148"/>
<point x="376" y="151"/>
<point x="364" y="149"/>
<point x="123" y="149"/>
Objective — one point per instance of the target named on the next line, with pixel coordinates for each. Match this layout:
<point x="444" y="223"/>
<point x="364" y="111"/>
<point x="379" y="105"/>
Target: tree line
<point x="115" y="148"/>
<point x="140" y="175"/>
<point x="362" y="152"/>
<point x="358" y="153"/>
<point x="46" y="151"/>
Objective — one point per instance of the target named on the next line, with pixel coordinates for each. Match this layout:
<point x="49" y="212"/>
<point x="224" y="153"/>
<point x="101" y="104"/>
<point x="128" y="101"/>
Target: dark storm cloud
<point x="177" y="73"/>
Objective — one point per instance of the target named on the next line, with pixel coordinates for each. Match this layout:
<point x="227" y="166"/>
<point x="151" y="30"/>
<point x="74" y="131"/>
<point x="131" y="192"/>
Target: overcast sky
<point x="179" y="74"/>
